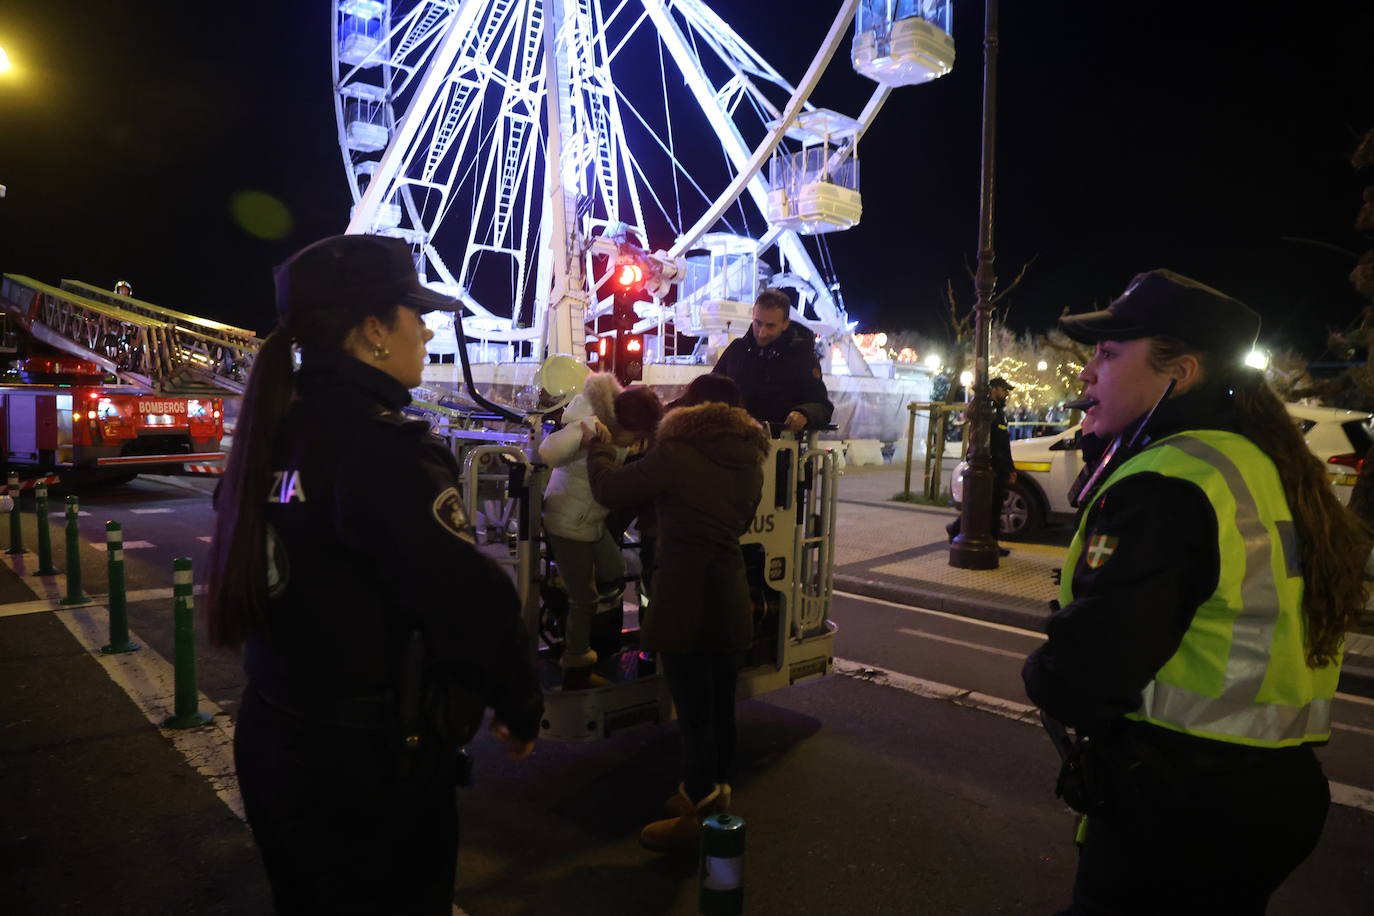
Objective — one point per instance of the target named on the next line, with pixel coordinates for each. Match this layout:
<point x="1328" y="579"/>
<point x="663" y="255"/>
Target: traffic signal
<point x="629" y="357"/>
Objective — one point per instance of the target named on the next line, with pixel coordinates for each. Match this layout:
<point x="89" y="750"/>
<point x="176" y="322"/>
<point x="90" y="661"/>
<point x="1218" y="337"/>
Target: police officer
<point x="775" y="366"/>
<point x="1205" y="597"/>
<point x="1003" y="469"/>
<point x="340" y="537"/>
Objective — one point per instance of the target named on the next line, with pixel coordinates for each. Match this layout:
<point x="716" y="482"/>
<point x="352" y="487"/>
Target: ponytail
<point x="236" y="596"/>
<point x="1333" y="543"/>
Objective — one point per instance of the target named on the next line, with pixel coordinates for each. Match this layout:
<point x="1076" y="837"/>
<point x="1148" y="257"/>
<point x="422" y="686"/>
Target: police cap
<point x="358" y="275"/>
<point x="1161" y="303"/>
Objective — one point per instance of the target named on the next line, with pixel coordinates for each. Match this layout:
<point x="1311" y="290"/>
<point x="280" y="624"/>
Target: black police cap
<point x="1161" y="303"/>
<point x="359" y="275"/>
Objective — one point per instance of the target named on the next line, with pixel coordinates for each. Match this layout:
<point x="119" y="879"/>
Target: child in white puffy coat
<point x="588" y="556"/>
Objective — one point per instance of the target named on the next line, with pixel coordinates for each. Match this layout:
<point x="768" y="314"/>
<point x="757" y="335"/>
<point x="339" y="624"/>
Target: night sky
<point x="1211" y="138"/>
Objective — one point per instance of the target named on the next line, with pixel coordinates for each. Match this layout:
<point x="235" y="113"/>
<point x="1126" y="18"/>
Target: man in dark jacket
<point x="775" y="366"/>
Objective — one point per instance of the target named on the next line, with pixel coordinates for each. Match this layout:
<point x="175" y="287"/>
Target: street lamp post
<point x="976" y="545"/>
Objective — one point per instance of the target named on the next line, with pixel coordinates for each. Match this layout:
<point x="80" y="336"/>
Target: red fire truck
<point x="64" y="414"/>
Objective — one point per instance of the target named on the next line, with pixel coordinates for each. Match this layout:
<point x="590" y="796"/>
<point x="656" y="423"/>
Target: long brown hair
<point x="1333" y="542"/>
<point x="235" y="602"/>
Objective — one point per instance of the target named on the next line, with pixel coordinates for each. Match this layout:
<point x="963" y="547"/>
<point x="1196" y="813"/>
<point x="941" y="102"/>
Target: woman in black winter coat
<point x="704" y="476"/>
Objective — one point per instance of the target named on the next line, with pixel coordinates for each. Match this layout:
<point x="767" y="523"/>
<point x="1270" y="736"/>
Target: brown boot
<point x="680" y="803"/>
<point x="582" y="679"/>
<point x="681" y="833"/>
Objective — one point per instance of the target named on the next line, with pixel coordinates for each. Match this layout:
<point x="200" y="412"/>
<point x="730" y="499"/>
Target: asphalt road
<point x="861" y="797"/>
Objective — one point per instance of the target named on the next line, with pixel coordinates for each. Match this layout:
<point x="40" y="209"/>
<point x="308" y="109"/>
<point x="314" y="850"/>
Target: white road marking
<point x="150" y="511"/>
<point x="54" y="601"/>
<point x="149" y="681"/>
<point x="1341" y="794"/>
<point x="1351" y="698"/>
<point x="1352" y="796"/>
<point x="63" y="514"/>
<point x="961" y="642"/>
<point x="128" y="545"/>
<point x="1353" y="728"/>
<point x="945" y="614"/>
<point x="205" y="537"/>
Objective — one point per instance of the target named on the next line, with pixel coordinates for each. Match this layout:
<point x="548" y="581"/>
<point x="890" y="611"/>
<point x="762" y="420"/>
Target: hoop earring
<point x="380" y="352"/>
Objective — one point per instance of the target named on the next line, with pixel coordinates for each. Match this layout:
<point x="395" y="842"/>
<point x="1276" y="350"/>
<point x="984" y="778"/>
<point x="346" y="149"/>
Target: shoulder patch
<point x="1100" y="550"/>
<point x="448" y="512"/>
<point x="399" y="420"/>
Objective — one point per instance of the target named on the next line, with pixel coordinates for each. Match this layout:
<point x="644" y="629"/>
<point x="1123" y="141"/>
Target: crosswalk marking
<point x="150" y="511"/>
<point x="205" y="537"/>
<point x="128" y="545"/>
<point x="63" y="514"/>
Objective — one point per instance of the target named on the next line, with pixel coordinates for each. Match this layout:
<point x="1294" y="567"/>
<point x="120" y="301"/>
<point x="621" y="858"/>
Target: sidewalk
<point x="900" y="552"/>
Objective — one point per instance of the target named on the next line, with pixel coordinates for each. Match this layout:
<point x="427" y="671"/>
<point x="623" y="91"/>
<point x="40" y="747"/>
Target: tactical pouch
<point x="1085" y="778"/>
<point x="437" y="711"/>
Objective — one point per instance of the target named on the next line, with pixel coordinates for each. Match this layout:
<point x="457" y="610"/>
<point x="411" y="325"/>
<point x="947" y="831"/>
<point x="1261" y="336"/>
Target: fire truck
<point x="66" y="415"/>
<point x="97" y="385"/>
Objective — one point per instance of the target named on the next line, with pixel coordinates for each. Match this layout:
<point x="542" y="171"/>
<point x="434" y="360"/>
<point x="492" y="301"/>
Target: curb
<point x="1357" y="674"/>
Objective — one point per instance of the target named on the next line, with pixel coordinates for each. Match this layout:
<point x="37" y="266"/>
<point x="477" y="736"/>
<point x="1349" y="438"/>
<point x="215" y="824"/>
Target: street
<point x="914" y="780"/>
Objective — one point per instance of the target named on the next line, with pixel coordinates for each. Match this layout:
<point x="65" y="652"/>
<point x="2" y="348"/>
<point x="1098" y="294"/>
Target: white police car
<point x="1047" y="466"/>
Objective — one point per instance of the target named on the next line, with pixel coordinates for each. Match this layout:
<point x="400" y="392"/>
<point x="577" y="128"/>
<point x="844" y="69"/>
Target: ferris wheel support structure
<point x="453" y="93"/>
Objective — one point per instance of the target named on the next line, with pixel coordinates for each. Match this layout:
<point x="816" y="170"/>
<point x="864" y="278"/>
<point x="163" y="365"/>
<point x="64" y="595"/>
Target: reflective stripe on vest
<point x="1240" y="673"/>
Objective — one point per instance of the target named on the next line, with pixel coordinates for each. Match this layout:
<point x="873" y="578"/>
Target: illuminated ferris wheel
<point x="525" y="148"/>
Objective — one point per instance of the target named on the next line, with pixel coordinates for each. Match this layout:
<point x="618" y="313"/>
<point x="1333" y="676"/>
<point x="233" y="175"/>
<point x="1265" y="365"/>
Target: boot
<point x="679" y="803"/>
<point x="582" y="678"/>
<point x="681" y="833"/>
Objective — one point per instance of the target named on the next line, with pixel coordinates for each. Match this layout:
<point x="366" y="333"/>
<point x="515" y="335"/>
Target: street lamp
<point x="1041" y="366"/>
<point x="975" y="547"/>
<point x="933" y="362"/>
<point x="4" y="61"/>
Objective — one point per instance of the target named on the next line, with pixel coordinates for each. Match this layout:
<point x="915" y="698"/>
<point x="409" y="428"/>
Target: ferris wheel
<point x="525" y="148"/>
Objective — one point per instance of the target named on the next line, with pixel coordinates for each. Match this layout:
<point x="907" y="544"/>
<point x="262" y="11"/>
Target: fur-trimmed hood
<point x="728" y="434"/>
<point x="596" y="400"/>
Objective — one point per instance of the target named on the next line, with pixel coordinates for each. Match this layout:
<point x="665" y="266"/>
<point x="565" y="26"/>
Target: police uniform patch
<point x="1100" y="550"/>
<point x="448" y="512"/>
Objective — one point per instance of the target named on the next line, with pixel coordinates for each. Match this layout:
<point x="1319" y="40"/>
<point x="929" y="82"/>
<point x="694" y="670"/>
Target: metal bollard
<point x="722" y="866"/>
<point x="119" y="612"/>
<point x="40" y="496"/>
<point x="186" y="713"/>
<point x="16" y="525"/>
<point x="74" y="593"/>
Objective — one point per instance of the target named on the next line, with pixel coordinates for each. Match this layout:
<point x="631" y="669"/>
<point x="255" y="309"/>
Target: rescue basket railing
<point x="815" y="541"/>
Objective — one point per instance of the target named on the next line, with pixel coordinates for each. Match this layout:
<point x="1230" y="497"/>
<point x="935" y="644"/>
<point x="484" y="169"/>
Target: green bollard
<point x="16" y="525"/>
<point x="186" y="713"/>
<point x="722" y="866"/>
<point x="74" y="593"/>
<point x="40" y="496"/>
<point x="119" y="613"/>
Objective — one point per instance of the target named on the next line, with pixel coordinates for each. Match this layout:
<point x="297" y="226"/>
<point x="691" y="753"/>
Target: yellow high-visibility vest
<point x="1240" y="674"/>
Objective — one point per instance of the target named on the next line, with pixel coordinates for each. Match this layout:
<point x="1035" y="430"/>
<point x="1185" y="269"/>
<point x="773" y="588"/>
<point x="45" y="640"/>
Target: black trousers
<point x="1225" y="853"/>
<point x="336" y="835"/>
<point x="703" y="688"/>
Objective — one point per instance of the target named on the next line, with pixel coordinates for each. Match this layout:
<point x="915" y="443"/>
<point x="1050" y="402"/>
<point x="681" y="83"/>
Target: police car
<point x="1047" y="466"/>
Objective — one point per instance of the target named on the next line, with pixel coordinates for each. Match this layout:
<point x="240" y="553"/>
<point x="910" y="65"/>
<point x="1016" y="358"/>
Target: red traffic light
<point x="633" y="345"/>
<point x="629" y="275"/>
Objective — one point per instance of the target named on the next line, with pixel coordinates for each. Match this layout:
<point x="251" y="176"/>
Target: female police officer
<point x="1207" y="591"/>
<point x="340" y="535"/>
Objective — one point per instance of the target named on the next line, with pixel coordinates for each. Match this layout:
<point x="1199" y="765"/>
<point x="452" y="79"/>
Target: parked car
<point x="1047" y="466"/>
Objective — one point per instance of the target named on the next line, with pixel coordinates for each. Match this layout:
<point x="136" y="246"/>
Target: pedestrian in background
<point x="1206" y="596"/>
<point x="340" y="536"/>
<point x="704" y="476"/>
<point x="1003" y="468"/>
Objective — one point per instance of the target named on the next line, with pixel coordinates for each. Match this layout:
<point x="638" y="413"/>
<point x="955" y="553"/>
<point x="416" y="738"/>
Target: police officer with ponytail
<point x="1204" y="601"/>
<point x="374" y="633"/>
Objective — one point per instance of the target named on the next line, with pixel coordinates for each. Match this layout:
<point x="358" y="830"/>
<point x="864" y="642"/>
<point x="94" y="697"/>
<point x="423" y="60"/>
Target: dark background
<point x="1211" y="138"/>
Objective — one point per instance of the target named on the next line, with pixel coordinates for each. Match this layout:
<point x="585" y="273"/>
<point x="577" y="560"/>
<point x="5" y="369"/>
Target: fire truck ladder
<point x="205" y="352"/>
